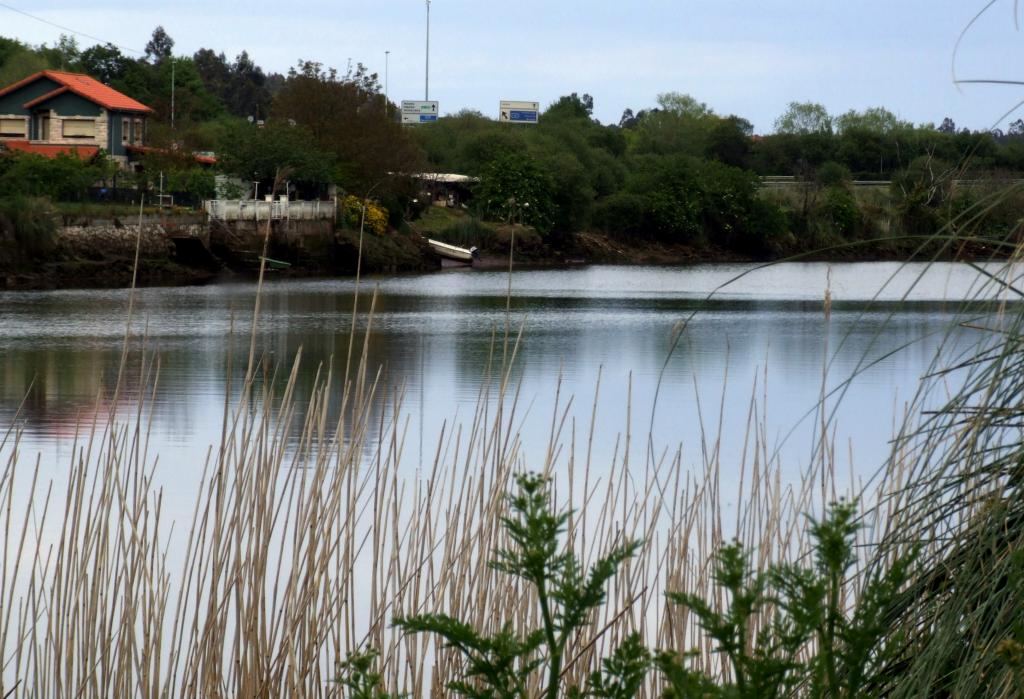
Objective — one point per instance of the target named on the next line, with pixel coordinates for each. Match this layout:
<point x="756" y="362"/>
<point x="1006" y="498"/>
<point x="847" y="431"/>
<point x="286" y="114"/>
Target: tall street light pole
<point x="172" y="93"/>
<point x="426" y="90"/>
<point x="387" y="103"/>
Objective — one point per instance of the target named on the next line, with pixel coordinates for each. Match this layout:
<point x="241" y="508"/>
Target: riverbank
<point x="403" y="253"/>
<point x="88" y="252"/>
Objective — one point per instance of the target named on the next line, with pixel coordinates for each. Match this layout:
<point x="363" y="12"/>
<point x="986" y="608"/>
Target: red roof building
<point x="50" y="151"/>
<point x="58" y="112"/>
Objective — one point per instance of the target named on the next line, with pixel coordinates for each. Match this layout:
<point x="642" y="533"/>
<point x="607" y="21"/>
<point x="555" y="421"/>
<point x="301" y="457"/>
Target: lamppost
<point x="426" y="89"/>
<point x="172" y="92"/>
<point x="387" y="103"/>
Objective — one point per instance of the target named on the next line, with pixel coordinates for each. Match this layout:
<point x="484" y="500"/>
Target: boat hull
<point x="453" y="252"/>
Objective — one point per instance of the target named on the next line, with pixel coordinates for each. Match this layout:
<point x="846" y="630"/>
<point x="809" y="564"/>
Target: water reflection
<point x="433" y="335"/>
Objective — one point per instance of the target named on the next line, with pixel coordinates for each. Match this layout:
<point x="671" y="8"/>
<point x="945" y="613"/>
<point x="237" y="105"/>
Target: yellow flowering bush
<point x="376" y="215"/>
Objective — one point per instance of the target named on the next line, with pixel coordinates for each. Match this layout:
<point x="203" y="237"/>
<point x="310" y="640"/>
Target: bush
<point x="918" y="193"/>
<point x="468" y="232"/>
<point x="62" y="178"/>
<point x="622" y="212"/>
<point x="838" y="212"/>
<point x="376" y="215"/>
<point x="686" y="200"/>
<point x="198" y="182"/>
<point x="833" y="174"/>
<point x="31" y="223"/>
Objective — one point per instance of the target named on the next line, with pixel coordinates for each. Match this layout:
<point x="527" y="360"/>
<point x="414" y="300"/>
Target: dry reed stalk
<point x="306" y="538"/>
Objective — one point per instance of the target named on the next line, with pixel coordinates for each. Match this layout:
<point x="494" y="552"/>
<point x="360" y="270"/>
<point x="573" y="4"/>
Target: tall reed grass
<point x="306" y="540"/>
<point x="308" y="536"/>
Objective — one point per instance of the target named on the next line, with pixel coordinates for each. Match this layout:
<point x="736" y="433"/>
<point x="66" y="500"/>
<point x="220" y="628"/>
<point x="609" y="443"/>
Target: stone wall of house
<point x="102" y="129"/>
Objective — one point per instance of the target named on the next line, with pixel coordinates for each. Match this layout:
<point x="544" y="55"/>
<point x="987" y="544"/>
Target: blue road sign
<point x="427" y="117"/>
<point x="522" y="115"/>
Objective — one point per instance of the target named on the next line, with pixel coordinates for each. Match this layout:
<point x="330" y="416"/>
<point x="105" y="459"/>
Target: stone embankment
<point x="105" y="239"/>
<point x="95" y="252"/>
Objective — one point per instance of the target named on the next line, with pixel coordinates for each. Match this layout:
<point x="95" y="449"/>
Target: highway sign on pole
<point x="419" y="111"/>
<point x="518" y="112"/>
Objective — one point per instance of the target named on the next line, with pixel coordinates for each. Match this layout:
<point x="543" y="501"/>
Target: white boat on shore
<point x="453" y="252"/>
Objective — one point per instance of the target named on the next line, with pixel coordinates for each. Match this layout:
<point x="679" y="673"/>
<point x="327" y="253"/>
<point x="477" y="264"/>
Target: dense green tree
<point x="684" y="129"/>
<point x="347" y="116"/>
<point x="215" y="72"/>
<point x="18" y="61"/>
<point x="250" y="152"/>
<point x="160" y="46"/>
<point x="240" y="86"/>
<point x="729" y="141"/>
<point x="802" y="118"/>
<point x="248" y="93"/>
<point x="105" y="62"/>
<point x="64" y="55"/>
<point x="683" y="105"/>
<point x="515" y="189"/>
<point x="571" y="106"/>
<point x="689" y="200"/>
<point x="873" y="119"/>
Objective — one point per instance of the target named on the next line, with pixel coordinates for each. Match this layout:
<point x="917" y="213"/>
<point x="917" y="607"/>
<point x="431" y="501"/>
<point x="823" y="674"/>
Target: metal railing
<point x="781" y="181"/>
<point x="277" y="210"/>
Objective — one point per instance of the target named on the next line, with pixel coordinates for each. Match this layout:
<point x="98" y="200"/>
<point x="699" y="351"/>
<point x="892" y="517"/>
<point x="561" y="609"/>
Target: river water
<point x="763" y="333"/>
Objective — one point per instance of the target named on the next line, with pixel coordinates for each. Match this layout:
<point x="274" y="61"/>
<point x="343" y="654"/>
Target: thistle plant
<point x="806" y="641"/>
<point x="502" y="665"/>
<point x="359" y="677"/>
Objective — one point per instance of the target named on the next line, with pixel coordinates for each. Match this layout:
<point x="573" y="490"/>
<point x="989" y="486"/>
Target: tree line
<point x="675" y="172"/>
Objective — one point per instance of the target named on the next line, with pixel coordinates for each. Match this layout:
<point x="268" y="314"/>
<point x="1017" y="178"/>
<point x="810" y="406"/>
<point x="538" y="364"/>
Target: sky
<point x="749" y="58"/>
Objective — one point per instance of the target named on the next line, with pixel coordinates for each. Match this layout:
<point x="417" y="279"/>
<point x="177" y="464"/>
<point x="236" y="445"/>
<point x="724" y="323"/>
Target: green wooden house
<point x="56" y="112"/>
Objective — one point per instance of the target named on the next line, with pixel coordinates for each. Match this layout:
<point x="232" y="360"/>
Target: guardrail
<point x="780" y="181"/>
<point x="278" y="210"/>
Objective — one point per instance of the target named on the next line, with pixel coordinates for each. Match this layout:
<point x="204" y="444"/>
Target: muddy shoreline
<point x="404" y="253"/>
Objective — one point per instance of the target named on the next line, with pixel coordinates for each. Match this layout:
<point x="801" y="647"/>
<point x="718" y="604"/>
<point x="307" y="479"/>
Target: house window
<point x="79" y="128"/>
<point x="14" y="127"/>
<point x="138" y="131"/>
<point x="125" y="126"/>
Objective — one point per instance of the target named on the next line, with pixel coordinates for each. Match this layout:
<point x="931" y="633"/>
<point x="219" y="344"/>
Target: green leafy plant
<point x="621" y="674"/>
<point x="357" y="675"/>
<point x="787" y="630"/>
<point x="502" y="664"/>
<point x="766" y="668"/>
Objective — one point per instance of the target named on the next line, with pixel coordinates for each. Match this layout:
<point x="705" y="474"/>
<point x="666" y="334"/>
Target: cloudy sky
<point x="749" y="58"/>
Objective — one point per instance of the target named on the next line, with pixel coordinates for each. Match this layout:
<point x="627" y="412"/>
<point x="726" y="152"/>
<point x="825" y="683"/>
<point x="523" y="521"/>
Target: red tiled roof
<point x="197" y="157"/>
<point x="83" y="86"/>
<point x="51" y="151"/>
